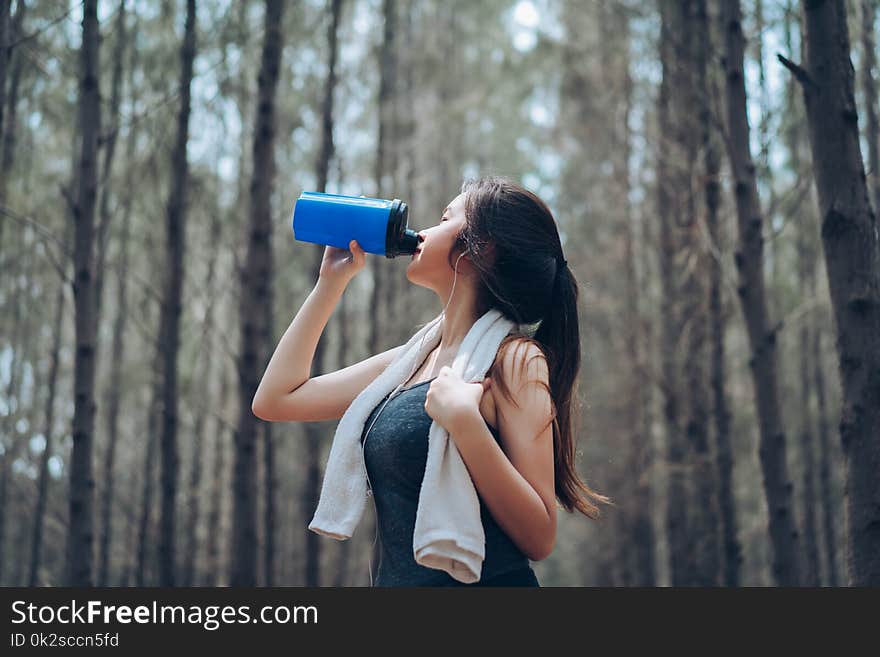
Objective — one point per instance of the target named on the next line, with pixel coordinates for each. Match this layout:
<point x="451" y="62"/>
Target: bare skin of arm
<point x="286" y="392"/>
<point x="516" y="482"/>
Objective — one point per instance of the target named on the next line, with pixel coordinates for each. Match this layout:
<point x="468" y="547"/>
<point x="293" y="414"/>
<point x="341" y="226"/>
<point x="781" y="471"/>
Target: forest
<point x="714" y="170"/>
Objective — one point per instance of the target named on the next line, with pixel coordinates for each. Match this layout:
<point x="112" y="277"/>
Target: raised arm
<point x="286" y="391"/>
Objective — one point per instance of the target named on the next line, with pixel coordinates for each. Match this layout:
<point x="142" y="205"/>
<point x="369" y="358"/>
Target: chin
<point x="417" y="280"/>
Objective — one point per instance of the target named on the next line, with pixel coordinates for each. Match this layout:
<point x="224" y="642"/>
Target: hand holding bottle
<point x="339" y="266"/>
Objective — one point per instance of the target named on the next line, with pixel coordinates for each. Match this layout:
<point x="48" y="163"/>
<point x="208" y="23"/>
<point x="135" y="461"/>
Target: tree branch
<point x="799" y="73"/>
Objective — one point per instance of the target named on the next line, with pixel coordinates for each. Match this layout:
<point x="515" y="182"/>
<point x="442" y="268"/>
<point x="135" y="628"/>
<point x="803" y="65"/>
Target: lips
<point x="418" y="248"/>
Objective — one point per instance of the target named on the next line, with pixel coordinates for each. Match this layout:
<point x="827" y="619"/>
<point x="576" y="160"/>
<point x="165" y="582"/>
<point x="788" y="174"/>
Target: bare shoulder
<point x="521" y="363"/>
<point x="521" y="383"/>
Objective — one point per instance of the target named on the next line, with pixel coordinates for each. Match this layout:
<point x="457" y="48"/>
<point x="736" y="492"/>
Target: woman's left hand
<point x="451" y="401"/>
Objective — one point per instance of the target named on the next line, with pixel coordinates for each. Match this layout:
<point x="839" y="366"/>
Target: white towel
<point x="448" y="532"/>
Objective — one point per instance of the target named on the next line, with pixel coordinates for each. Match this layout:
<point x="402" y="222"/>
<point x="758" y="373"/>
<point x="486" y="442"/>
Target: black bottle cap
<point x="399" y="240"/>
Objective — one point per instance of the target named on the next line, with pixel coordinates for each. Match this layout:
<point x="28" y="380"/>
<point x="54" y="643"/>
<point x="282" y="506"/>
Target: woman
<point x="495" y="246"/>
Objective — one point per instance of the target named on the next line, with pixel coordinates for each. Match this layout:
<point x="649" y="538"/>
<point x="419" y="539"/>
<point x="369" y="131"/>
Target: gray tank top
<point x="395" y="454"/>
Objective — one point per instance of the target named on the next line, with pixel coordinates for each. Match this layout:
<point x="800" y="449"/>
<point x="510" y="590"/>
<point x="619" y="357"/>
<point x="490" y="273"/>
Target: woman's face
<point x="430" y="266"/>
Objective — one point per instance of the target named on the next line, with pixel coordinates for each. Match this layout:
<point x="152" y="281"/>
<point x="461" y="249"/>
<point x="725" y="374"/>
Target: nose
<point x="421" y="238"/>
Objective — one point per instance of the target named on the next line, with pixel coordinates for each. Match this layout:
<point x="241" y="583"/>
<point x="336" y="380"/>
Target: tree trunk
<point x="193" y="492"/>
<point x="9" y="120"/>
<point x="269" y="481"/>
<point x="20" y="338"/>
<point x="829" y="509"/>
<point x="4" y="55"/>
<point x="111" y="132"/>
<point x="763" y="173"/>
<point x="811" y="543"/>
<point x="706" y="530"/>
<point x="269" y="507"/>
<point x="217" y="564"/>
<point x="385" y="163"/>
<point x="256" y="294"/>
<point x="151" y="442"/>
<point x="806" y="262"/>
<point x="645" y="244"/>
<point x="171" y="306"/>
<point x="673" y="180"/>
<point x="449" y="133"/>
<point x="218" y="486"/>
<point x="635" y="534"/>
<point x="731" y="546"/>
<point x="131" y="524"/>
<point x="872" y="134"/>
<point x="48" y="431"/>
<point x="749" y="260"/>
<point x="326" y="151"/>
<point x="810" y="355"/>
<point x="114" y="391"/>
<point x="80" y="528"/>
<point x="189" y="576"/>
<point x="852" y="258"/>
<point x="388" y="153"/>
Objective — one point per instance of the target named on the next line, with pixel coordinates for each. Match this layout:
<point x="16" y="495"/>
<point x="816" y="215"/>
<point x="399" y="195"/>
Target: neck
<point x="459" y="317"/>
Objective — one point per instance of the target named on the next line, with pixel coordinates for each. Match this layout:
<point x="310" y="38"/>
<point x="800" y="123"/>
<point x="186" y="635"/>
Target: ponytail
<point x="559" y="337"/>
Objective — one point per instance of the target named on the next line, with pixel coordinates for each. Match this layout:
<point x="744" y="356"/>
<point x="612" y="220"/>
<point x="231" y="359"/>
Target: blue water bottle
<point x="378" y="225"/>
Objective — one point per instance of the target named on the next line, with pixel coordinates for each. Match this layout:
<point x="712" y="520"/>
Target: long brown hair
<point x="512" y="239"/>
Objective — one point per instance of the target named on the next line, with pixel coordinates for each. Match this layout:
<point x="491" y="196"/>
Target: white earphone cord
<point x="363" y="446"/>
